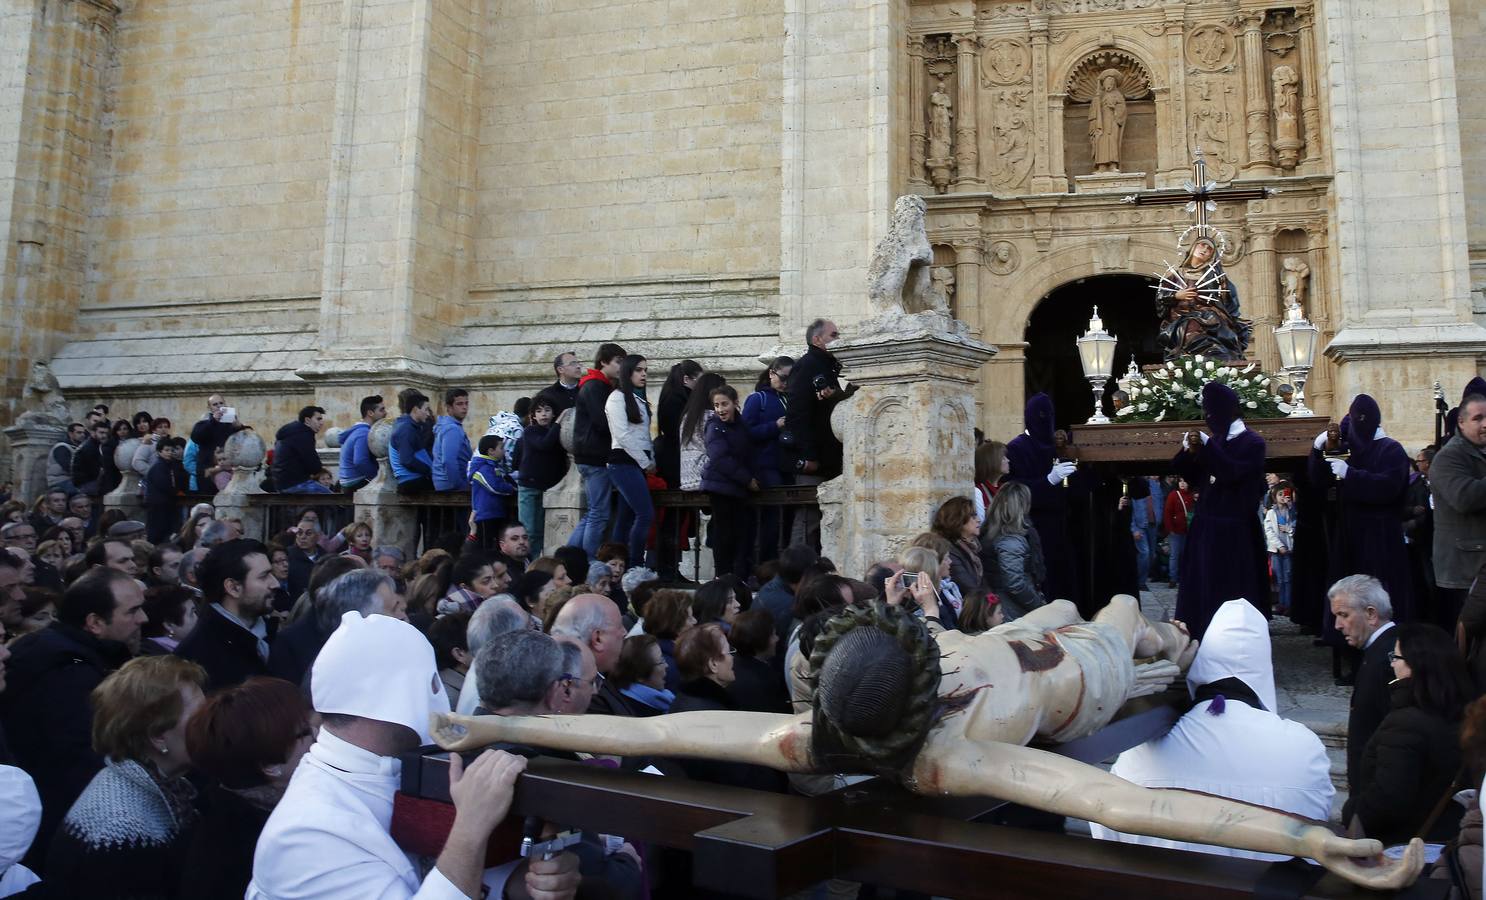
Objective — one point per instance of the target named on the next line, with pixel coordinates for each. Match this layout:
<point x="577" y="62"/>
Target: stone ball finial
<point x="244" y="450"/>
<point x="379" y="439"/>
<point x="333" y="438"/>
<point x="124" y="454"/>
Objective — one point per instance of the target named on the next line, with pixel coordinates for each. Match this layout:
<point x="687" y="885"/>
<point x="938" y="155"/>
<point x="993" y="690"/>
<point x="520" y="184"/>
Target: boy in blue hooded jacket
<point x="490" y="487"/>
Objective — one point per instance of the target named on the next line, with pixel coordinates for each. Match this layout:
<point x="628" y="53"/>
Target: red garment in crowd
<point x="1178" y="505"/>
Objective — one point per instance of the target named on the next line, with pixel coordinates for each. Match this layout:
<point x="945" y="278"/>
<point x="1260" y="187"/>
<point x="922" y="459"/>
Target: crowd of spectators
<point x="191" y="711"/>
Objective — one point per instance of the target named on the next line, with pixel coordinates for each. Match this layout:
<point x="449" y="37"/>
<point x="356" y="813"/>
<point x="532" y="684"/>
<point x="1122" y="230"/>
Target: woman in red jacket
<point x="1180" y="505"/>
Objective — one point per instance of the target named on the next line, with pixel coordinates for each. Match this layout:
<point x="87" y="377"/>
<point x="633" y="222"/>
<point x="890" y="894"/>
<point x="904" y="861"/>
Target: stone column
<point x="1256" y="96"/>
<point x="967" y="134"/>
<point x="967" y="281"/>
<point x="394" y="521"/>
<point x="245" y="452"/>
<point x="126" y="495"/>
<point x="1310" y="98"/>
<point x="1404" y="316"/>
<point x="1047" y="117"/>
<point x="56" y="59"/>
<point x="1260" y="300"/>
<point x="399" y="210"/>
<point x="1173" y="167"/>
<point x="908" y="439"/>
<point x="31" y="439"/>
<point x="917" y="115"/>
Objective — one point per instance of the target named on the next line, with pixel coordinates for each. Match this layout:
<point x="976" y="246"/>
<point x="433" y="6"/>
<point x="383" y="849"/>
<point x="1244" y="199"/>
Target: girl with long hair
<point x="631" y="454"/>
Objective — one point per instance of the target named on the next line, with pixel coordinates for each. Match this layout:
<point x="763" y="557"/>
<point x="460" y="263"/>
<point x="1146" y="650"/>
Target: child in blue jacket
<point x="490" y="486"/>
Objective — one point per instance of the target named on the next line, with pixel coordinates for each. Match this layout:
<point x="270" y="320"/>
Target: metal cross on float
<point x="1200" y="195"/>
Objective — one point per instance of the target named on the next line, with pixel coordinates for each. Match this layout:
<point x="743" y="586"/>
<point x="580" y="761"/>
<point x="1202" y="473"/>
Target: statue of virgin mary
<point x="1199" y="310"/>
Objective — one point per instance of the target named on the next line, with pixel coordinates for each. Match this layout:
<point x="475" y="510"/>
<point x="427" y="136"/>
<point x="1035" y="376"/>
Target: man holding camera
<point x="211" y="432"/>
<point x="807" y="446"/>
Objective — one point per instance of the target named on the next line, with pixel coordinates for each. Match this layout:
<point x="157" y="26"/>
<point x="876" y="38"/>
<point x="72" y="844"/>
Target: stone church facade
<point x="297" y="201"/>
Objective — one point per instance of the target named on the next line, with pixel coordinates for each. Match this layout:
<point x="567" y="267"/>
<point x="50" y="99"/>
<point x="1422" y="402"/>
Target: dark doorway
<point x="1127" y="304"/>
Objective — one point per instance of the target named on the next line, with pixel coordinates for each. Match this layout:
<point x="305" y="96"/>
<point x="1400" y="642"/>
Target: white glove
<point x="1187" y="446"/>
<point x="1320" y="440"/>
<point x="1338" y="468"/>
<point x="1061" y="469"/>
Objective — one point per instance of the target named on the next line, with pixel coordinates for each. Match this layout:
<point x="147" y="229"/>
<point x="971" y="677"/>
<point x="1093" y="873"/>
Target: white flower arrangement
<point x="1173" y="392"/>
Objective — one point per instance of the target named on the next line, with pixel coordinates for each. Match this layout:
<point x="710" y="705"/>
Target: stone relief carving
<point x="1293" y="281"/>
<point x="1112" y="253"/>
<point x="1211" y="124"/>
<point x="1060" y="7"/>
<point x="1287" y="142"/>
<point x="1083" y="84"/>
<point x="1004" y="62"/>
<point x="1211" y="48"/>
<point x="1011" y="138"/>
<point x="1002" y="257"/>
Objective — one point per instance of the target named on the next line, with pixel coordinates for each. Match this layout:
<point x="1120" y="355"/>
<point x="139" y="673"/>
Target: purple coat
<point x="1031" y="457"/>
<point x="1224" y="557"/>
<point x="730" y="458"/>
<point x="1368" y="538"/>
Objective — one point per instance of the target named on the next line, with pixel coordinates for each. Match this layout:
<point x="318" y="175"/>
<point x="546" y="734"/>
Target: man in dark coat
<point x="1033" y="460"/>
<point x="50" y="677"/>
<point x="1364" y="615"/>
<point x="1458" y="486"/>
<point x="295" y="460"/>
<point x="808" y="447"/>
<point x="563" y="392"/>
<point x="209" y="434"/>
<point x="1371" y="484"/>
<point x="1225" y="556"/>
<point x="231" y="639"/>
<point x="303" y="556"/>
<point x="87" y="462"/>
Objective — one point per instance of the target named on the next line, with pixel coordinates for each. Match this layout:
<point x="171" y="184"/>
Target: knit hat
<point x="378" y="667"/>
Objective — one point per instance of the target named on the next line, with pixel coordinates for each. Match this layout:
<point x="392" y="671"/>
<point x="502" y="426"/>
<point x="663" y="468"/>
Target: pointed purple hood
<point x="1219" y="408"/>
<point x="1039" y="420"/>
<point x="1363" y="420"/>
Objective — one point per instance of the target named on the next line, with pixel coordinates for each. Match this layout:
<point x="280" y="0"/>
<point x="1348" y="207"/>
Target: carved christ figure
<point x="1293" y="281"/>
<point x="1286" y="104"/>
<point x="946" y="713"/>
<point x="1107" y="122"/>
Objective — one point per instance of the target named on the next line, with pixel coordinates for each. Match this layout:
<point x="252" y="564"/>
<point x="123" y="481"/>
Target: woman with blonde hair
<point x="1012" y="555"/>
<point x="127" y="832"/>
<point x="919" y="561"/>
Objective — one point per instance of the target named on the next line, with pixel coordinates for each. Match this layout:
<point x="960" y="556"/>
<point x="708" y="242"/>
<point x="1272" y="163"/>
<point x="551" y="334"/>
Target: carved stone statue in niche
<point x="1293" y="281"/>
<point x="942" y="287"/>
<point x="941" y="130"/>
<point x="1287" y="142"/>
<point x="1107" y="122"/>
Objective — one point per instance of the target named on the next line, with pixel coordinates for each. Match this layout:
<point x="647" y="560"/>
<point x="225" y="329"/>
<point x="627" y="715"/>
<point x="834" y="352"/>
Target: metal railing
<point x="772" y="513"/>
<point x="284" y="511"/>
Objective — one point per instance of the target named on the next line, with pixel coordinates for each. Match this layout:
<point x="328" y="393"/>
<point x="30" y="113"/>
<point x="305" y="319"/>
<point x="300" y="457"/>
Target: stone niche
<point x="1122" y="77"/>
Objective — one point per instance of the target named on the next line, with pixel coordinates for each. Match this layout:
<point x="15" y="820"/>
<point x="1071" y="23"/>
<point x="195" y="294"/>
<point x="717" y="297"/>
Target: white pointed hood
<point x="1236" y="645"/>
<point x="20" y="815"/>
<point x="377" y="667"/>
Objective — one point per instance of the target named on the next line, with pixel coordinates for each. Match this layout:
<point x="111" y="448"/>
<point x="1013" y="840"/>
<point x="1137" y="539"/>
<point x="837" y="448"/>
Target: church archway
<point x="1127" y="306"/>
